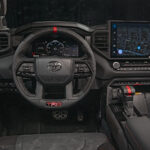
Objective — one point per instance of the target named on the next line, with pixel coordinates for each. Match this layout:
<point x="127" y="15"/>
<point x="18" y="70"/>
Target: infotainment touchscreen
<point x="130" y="39"/>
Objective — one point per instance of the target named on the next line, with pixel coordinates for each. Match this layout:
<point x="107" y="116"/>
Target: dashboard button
<point x="116" y="65"/>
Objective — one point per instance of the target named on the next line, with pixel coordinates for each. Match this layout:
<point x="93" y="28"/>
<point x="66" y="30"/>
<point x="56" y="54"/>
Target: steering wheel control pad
<point x="54" y="71"/>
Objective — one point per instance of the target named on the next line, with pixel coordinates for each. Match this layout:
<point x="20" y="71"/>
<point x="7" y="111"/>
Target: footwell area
<point x="18" y="117"/>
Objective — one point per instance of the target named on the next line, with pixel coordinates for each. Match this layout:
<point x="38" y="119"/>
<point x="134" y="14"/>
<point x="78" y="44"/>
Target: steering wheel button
<point x="26" y="67"/>
<point x="86" y="70"/>
<point x="76" y="70"/>
<point x="81" y="69"/>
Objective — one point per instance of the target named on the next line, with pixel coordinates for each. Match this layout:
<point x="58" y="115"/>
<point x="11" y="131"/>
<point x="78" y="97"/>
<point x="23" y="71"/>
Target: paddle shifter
<point x="126" y="94"/>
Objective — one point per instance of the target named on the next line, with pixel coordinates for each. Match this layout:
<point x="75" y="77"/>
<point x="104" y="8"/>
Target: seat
<point x="137" y="130"/>
<point x="58" y="141"/>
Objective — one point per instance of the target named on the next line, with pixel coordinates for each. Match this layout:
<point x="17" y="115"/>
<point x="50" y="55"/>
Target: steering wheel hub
<point x="54" y="66"/>
<point x="54" y="71"/>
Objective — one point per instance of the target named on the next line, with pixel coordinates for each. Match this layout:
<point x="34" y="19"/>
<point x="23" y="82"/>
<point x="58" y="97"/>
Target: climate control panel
<point x="131" y="65"/>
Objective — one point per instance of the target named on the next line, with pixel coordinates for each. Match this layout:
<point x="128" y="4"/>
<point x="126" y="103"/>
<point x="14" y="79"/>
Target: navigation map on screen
<point x="130" y="40"/>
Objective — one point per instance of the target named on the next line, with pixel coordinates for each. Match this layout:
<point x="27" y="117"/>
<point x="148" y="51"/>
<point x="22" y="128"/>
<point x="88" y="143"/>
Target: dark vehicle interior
<point x="74" y="75"/>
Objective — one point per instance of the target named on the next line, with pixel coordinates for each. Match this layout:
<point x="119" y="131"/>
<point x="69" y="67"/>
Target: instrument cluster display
<point x="64" y="47"/>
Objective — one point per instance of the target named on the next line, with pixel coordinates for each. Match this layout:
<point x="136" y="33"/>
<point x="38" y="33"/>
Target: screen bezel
<point x="110" y="47"/>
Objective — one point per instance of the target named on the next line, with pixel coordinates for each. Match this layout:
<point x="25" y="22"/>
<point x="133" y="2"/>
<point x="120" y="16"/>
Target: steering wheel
<point x="53" y="71"/>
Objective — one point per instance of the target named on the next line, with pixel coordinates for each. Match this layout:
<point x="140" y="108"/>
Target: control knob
<point x="116" y="65"/>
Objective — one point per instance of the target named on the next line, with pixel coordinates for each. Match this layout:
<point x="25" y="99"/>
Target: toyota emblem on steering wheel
<point x="54" y="66"/>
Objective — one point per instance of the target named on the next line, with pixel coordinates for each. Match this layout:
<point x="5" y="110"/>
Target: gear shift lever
<point x="126" y="94"/>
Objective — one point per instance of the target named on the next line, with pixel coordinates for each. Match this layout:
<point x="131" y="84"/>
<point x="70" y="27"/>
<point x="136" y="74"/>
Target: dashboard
<point x="121" y="48"/>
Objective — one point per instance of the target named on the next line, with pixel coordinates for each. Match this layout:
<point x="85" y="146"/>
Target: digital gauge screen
<point x="130" y="39"/>
<point x="56" y="47"/>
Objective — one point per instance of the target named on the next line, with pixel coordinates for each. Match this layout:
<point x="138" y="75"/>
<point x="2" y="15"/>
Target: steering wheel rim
<point x="53" y="103"/>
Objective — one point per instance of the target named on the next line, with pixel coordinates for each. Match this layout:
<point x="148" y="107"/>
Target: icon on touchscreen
<point x="120" y="51"/>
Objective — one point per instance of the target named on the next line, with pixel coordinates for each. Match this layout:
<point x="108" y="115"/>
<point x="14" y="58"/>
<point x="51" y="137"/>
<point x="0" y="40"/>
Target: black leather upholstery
<point x="62" y="141"/>
<point x="138" y="132"/>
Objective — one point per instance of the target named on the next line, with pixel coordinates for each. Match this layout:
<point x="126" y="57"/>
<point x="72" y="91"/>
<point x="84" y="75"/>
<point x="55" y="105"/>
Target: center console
<point x="128" y="99"/>
<point x="128" y="111"/>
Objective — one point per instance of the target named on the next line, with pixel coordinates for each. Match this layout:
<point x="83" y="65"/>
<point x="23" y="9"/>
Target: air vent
<point x="101" y="40"/>
<point x="4" y="42"/>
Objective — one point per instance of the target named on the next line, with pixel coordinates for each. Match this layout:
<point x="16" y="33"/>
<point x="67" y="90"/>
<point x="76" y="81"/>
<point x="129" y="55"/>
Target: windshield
<point x="89" y="12"/>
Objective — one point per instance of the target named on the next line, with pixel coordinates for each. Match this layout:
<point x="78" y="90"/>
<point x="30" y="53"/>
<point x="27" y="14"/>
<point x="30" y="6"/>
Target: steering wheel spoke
<point x="39" y="90"/>
<point x="27" y="60"/>
<point x="69" y="91"/>
<point x="26" y="68"/>
<point x="23" y="59"/>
